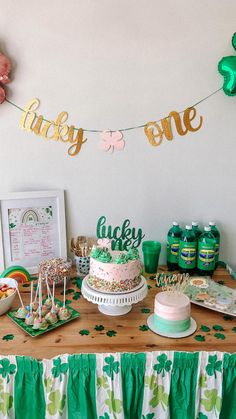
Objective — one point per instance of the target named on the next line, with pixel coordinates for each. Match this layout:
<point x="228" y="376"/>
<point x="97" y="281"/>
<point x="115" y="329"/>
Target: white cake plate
<point x="188" y="332"/>
<point x="114" y="304"/>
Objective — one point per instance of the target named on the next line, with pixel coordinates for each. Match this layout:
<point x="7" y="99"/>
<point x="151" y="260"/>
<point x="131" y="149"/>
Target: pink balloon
<point x="112" y="140"/>
<point x="2" y="95"/>
<point x="5" y="68"/>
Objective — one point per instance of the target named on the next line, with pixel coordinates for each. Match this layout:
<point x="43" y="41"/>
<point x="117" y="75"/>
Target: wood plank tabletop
<point x="128" y="336"/>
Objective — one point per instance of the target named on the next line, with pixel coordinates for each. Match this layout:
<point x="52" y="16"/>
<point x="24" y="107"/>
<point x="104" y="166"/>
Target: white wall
<point x="113" y="64"/>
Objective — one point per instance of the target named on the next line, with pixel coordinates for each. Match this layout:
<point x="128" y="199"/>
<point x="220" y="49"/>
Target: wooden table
<point x="129" y="338"/>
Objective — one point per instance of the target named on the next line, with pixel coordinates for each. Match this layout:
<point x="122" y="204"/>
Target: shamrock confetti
<point x="205" y="328"/>
<point x="219" y="336"/>
<point x="199" y="338"/>
<point x="221" y="282"/>
<point x="217" y="327"/>
<point x="152" y="277"/>
<point x="77" y="282"/>
<point x="234" y="329"/>
<point x="67" y="302"/>
<point x="84" y="332"/>
<point x="145" y="310"/>
<point x="99" y="327"/>
<point x="76" y="296"/>
<point x="227" y="317"/>
<point x="149" y="287"/>
<point x="69" y="291"/>
<point x="8" y="337"/>
<point x="143" y="328"/>
<point x="111" y="333"/>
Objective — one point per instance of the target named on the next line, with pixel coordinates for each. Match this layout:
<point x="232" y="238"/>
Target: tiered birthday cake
<point x="171" y="312"/>
<point x="114" y="271"/>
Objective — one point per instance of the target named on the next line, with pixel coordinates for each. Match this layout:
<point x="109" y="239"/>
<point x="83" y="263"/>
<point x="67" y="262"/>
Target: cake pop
<point x="64" y="313"/>
<point x="21" y="313"/>
<point x="51" y="318"/>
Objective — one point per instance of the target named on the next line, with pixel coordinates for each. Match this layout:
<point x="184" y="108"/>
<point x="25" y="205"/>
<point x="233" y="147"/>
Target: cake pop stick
<point x="53" y="295"/>
<point x="64" y="294"/>
<point x="18" y="292"/>
<point x="48" y="290"/>
<point x="40" y="298"/>
<point x="31" y="295"/>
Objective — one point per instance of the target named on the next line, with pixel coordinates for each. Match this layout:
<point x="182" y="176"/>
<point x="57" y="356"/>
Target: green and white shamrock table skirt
<point x="152" y="385"/>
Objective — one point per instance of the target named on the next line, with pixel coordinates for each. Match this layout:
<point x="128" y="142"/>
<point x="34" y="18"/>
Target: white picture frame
<point x="32" y="228"/>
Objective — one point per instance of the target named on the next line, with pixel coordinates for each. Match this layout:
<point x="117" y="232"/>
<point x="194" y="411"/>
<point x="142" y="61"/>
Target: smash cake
<point x="171" y="312"/>
<point x="114" y="271"/>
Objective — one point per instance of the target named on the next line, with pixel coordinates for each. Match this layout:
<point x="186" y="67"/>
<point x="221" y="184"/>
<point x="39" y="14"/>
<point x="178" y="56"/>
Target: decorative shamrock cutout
<point x="227" y="67"/>
<point x="99" y="327"/>
<point x="143" y="328"/>
<point x="145" y="310"/>
<point x="69" y="291"/>
<point x="76" y="296"/>
<point x="213" y="365"/>
<point x="159" y="396"/>
<point x="149" y="416"/>
<point x="164" y="365"/>
<point x="199" y="338"/>
<point x="7" y="369"/>
<point x="227" y="317"/>
<point x="114" y="405"/>
<point x="57" y="403"/>
<point x="205" y="328"/>
<point x="106" y="416"/>
<point x="77" y="282"/>
<point x="8" y="337"/>
<point x="102" y="382"/>
<point x="6" y="403"/>
<point x="217" y="327"/>
<point x="59" y="368"/>
<point x="111" y="333"/>
<point x="202" y="381"/>
<point x="202" y="416"/>
<point x="234" y="329"/>
<point x="111" y="367"/>
<point x="212" y="401"/>
<point x="112" y="140"/>
<point x="84" y="332"/>
<point x="219" y="336"/>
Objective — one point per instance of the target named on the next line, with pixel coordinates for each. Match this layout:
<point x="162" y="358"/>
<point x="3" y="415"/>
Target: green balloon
<point x="227" y="67"/>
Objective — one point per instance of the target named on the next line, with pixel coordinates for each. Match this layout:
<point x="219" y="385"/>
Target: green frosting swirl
<point x="105" y="256"/>
<point x="95" y="252"/>
<point x="133" y="254"/>
<point x="121" y="258"/>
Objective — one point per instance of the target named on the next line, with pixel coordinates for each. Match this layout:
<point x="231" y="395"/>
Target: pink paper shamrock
<point x="112" y="140"/>
<point x="5" y="68"/>
<point x="104" y="243"/>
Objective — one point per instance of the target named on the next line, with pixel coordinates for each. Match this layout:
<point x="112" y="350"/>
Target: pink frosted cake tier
<point x="114" y="277"/>
<point x="172" y="312"/>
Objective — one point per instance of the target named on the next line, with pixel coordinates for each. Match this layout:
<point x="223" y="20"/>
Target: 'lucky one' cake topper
<point x="122" y="237"/>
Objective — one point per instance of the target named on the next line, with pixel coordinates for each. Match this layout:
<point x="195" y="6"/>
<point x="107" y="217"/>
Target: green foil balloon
<point x="227" y="67"/>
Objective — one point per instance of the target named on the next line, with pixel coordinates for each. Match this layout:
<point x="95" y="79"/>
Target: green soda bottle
<point x="216" y="234"/>
<point x="206" y="252"/>
<point x="173" y="238"/>
<point x="187" y="251"/>
<point x="196" y="229"/>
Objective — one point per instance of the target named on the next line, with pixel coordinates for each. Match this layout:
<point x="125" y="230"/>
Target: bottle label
<point x="217" y="251"/>
<point x="173" y="249"/>
<point x="187" y="255"/>
<point x="206" y="257"/>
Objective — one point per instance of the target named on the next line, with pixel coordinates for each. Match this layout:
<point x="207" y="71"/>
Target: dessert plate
<point x="153" y="328"/>
<point x="34" y="333"/>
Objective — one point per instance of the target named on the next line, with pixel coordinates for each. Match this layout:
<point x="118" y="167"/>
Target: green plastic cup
<point x="151" y="252"/>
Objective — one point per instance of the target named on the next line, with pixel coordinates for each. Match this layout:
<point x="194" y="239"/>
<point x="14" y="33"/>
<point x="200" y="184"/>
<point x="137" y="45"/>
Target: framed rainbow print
<point x="32" y="228"/>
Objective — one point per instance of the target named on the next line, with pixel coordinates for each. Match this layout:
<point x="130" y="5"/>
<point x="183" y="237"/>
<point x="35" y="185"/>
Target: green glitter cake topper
<point x="123" y="237"/>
